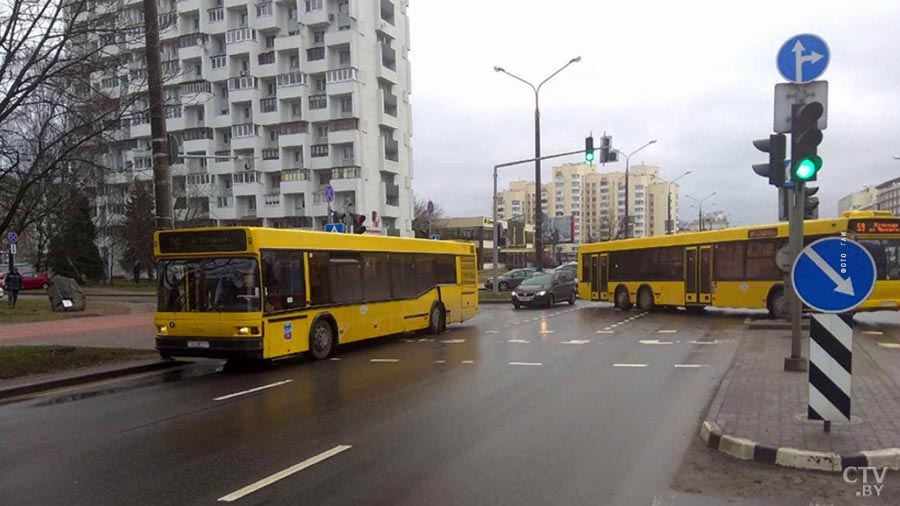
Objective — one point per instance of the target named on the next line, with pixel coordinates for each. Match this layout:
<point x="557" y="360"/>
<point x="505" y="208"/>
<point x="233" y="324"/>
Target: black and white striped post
<point x="833" y="276"/>
<point x="830" y="368"/>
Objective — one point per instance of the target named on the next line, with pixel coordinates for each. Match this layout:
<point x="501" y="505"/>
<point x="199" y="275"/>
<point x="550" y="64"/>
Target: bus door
<point x="705" y="274"/>
<point x="690" y="275"/>
<point x="600" y="278"/>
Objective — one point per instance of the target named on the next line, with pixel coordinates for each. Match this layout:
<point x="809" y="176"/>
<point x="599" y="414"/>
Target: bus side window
<point x="283" y="280"/>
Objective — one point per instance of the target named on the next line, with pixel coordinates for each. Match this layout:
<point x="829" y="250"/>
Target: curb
<point x="494" y="302"/>
<point x="746" y="449"/>
<point x="136" y="294"/>
<point x="43" y="386"/>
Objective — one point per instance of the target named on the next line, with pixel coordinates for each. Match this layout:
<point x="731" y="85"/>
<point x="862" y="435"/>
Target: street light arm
<point x="510" y="74"/>
<point x="640" y="148"/>
<point x="573" y="60"/>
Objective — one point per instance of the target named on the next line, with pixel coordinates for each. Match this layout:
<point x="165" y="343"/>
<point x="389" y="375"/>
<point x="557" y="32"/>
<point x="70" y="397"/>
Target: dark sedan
<point x="510" y="279"/>
<point x="545" y="290"/>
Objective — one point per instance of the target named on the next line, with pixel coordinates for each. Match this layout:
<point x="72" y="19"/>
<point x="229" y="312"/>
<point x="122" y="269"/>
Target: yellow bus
<point x="734" y="267"/>
<point x="249" y="293"/>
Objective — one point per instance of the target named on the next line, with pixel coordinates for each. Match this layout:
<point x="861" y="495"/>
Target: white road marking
<point x="714" y="341"/>
<point x="547" y="331"/>
<point x="605" y="332"/>
<point x="452" y="341"/>
<point x="518" y="341"/>
<point x="654" y="341"/>
<point x="889" y="345"/>
<point x="468" y="362"/>
<point x="440" y="361"/>
<point x="576" y="341"/>
<point x="873" y="332"/>
<point x="491" y="331"/>
<point x="334" y="359"/>
<point x="667" y="331"/>
<point x="384" y="360"/>
<point x="691" y="366"/>
<point x="426" y="340"/>
<point x="526" y="363"/>
<point x="257" y="389"/>
<point x="249" y="489"/>
<point x="629" y="365"/>
<point x="731" y="331"/>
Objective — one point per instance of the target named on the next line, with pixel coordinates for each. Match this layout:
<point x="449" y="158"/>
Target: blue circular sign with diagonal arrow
<point x="834" y="275"/>
<point x="803" y="58"/>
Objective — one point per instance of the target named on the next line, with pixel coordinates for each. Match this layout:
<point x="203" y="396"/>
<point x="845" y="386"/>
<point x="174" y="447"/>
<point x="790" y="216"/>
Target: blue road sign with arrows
<point x="12" y="237"/>
<point x="334" y="227"/>
<point x="834" y="275"/>
<point x="803" y="58"/>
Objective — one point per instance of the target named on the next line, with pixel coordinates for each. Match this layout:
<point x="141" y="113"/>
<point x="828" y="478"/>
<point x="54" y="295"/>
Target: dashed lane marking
<point x="440" y="361"/>
<point x="257" y="389"/>
<point x="518" y="341"/>
<point x="654" y="341"/>
<point x="606" y="332"/>
<point x="491" y="331"/>
<point x="452" y="341"/>
<point x="690" y="366"/>
<point x="576" y="341"/>
<point x="526" y="363"/>
<point x="667" y="331"/>
<point x="873" y="332"/>
<point x="889" y="345"/>
<point x="467" y="362"/>
<point x="249" y="489"/>
<point x="714" y="341"/>
<point x="384" y="360"/>
<point x="547" y="331"/>
<point x="629" y="365"/>
<point x="334" y="359"/>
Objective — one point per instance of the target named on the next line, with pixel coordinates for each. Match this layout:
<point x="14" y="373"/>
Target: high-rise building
<point x="282" y="99"/>
<point x="517" y="202"/>
<point x="858" y="201"/>
<point x="888" y="196"/>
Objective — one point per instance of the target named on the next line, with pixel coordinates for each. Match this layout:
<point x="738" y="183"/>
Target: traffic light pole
<point x="795" y="362"/>
<point x="496" y="237"/>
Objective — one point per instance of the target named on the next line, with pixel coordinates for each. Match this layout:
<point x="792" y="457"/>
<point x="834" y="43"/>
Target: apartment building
<point x="882" y="197"/>
<point x="888" y="196"/>
<point x="862" y="200"/>
<point x="281" y="98"/>
<point x="596" y="201"/>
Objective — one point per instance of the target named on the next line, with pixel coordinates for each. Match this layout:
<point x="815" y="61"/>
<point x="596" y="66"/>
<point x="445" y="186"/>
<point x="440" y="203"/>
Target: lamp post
<point x="669" y="224"/>
<point x="538" y="240"/>
<point x="627" y="161"/>
<point x="700" y="208"/>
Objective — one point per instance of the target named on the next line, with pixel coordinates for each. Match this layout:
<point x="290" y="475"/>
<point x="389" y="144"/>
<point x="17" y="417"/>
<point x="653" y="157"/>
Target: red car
<point x="31" y="279"/>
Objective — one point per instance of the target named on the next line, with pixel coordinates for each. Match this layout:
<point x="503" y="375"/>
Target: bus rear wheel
<point x="777" y="304"/>
<point x="622" y="300"/>
<point x="645" y="299"/>
<point x="321" y="340"/>
<point x="437" y="319"/>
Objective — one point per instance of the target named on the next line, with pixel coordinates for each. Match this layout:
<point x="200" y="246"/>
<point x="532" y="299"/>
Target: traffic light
<point x="805" y="140"/>
<point x="589" y="149"/>
<point x="774" y="170"/>
<point x="358" y="220"/>
<point x="174" y="151"/>
<point x="810" y="203"/>
<point x="604" y="148"/>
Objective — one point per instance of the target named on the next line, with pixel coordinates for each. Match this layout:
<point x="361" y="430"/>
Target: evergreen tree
<point x="72" y="251"/>
<point x="140" y="223"/>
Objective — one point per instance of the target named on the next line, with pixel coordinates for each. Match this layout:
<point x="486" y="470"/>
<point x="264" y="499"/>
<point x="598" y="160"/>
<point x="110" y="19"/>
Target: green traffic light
<point x="808" y="167"/>
<point x="589" y="156"/>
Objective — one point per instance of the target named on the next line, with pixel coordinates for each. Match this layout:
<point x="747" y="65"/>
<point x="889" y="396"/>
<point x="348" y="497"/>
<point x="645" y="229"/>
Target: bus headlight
<point x="162" y="329"/>
<point x="244" y="331"/>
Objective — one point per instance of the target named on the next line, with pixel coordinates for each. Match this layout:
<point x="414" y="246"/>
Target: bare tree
<point x="421" y="217"/>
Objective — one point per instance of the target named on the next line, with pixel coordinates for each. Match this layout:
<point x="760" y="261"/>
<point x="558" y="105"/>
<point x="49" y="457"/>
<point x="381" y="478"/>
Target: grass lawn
<point x="17" y="361"/>
<point x="128" y="285"/>
<point x="36" y="310"/>
<point x="484" y="295"/>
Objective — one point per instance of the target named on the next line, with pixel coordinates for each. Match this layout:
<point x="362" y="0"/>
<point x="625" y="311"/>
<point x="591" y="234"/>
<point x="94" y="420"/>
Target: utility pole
<point x="162" y="177"/>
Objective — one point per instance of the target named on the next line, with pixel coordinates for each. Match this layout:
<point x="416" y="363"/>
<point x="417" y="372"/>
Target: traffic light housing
<point x="589" y="149"/>
<point x="605" y="142"/>
<point x="810" y="203"/>
<point x="805" y="140"/>
<point x="358" y="220"/>
<point x="775" y="146"/>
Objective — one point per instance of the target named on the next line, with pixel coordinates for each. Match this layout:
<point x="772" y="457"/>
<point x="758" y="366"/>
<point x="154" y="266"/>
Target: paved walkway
<point x="758" y="400"/>
<point x="118" y="331"/>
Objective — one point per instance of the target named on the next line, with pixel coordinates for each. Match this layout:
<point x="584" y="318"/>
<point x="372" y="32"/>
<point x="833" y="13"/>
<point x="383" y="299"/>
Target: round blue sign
<point x="12" y="237"/>
<point x="803" y="58"/>
<point x="834" y="275"/>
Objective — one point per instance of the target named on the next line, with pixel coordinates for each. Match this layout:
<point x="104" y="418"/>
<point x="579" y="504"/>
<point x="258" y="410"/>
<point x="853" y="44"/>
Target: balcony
<point x="343" y="131"/>
<point x="272" y="199"/>
<point x="341" y="75"/>
<point x="318" y="150"/>
<point x="215" y="15"/>
<point x="293" y="133"/>
<point x="288" y="41"/>
<point x="198" y="133"/>
<point x="242" y="83"/>
<point x="246" y="183"/>
<point x="240" y="35"/>
<point x="318" y="102"/>
<point x="192" y="45"/>
<point x="195" y="92"/>
<point x="266" y="58"/>
<point x="291" y="79"/>
<point x="268" y="105"/>
<point x="244" y="130"/>
<point x="315" y="54"/>
<point x="270" y="154"/>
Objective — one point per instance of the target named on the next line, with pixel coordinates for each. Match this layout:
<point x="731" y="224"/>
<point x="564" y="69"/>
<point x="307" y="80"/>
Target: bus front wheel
<point x="321" y="340"/>
<point x="777" y="304"/>
<point x="623" y="301"/>
<point x="437" y="319"/>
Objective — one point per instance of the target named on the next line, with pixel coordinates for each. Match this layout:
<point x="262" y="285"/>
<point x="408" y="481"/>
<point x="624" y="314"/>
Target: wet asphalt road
<point x="569" y="405"/>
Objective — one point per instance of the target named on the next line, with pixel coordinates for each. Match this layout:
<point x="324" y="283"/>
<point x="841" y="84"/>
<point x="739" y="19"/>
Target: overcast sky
<point x="697" y="76"/>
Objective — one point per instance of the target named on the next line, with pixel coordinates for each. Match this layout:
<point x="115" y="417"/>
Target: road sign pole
<point x="795" y="362"/>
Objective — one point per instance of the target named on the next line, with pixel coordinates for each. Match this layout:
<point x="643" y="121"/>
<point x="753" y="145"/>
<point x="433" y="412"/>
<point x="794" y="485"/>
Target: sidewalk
<point x="119" y="331"/>
<point x="759" y="401"/>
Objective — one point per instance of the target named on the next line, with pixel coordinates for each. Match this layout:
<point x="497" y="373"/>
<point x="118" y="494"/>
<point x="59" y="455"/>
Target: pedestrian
<point x="136" y="270"/>
<point x="13" y="285"/>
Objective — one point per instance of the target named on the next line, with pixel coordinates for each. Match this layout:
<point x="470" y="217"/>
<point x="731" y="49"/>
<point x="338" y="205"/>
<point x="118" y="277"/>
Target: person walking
<point x="136" y="270"/>
<point x="13" y="285"/>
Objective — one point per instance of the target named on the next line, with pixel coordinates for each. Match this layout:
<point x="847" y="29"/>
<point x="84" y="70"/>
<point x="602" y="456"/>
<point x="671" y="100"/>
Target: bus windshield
<point x="208" y="285"/>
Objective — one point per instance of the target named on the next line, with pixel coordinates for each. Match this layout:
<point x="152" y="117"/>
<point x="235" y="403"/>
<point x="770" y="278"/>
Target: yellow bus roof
<point x="810" y="227"/>
<point x="260" y="237"/>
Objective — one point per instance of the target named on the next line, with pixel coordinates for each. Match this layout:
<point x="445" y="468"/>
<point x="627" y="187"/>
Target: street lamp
<point x="669" y="224"/>
<point x="538" y="240"/>
<point x="700" y="207"/>
<point x="627" y="160"/>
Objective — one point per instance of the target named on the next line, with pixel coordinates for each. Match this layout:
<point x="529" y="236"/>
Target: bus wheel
<point x="645" y="299"/>
<point x="321" y="340"/>
<point x="437" y="321"/>
<point x="623" y="301"/>
<point x="777" y="305"/>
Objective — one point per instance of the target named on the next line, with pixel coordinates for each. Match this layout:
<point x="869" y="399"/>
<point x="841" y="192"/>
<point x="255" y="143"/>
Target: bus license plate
<point x="889" y="303"/>
<point x="198" y="344"/>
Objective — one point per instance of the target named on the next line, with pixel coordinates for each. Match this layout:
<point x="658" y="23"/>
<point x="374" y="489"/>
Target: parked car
<point x="31" y="278"/>
<point x="570" y="267"/>
<point x="545" y="290"/>
<point x="511" y="279"/>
